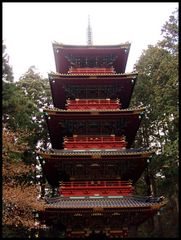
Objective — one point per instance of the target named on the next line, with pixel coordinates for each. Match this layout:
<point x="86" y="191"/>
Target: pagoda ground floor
<point x="108" y="217"/>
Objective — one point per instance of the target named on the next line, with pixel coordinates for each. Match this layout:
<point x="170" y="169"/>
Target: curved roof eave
<point x="145" y="153"/>
<point x="57" y="110"/>
<point x="61" y="45"/>
<point x="56" y="74"/>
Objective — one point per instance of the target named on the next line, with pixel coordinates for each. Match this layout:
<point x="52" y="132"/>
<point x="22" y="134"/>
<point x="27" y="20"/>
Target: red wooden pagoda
<point x="92" y="129"/>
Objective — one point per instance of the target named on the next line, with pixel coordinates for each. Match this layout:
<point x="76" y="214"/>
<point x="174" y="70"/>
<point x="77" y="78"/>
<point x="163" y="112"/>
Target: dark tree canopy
<point x="157" y="89"/>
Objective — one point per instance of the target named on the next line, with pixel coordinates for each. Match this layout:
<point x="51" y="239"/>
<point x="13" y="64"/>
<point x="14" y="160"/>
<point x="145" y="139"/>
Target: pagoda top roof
<point x="63" y="53"/>
<point x="61" y="45"/>
<point x="122" y="202"/>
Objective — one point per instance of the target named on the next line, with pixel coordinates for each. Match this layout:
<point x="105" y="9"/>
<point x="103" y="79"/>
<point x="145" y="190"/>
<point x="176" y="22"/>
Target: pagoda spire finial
<point x="89" y="33"/>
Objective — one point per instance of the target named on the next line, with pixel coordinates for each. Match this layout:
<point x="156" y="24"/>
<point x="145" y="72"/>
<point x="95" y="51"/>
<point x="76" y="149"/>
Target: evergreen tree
<point x="37" y="89"/>
<point x="21" y="125"/>
<point x="7" y="69"/>
<point x="157" y="89"/>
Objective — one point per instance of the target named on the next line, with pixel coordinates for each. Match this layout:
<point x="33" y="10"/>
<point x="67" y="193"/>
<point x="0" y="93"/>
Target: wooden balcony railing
<point x="96" y="188"/>
<point x="93" y="104"/>
<point x="90" y="70"/>
<point x="94" y="142"/>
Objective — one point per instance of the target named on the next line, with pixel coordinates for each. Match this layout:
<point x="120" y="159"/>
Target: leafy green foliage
<point x="37" y="90"/>
<point x="170" y="34"/>
<point x="22" y="105"/>
<point x="157" y="89"/>
<point x="7" y="69"/>
<point x="17" y="108"/>
<point x="35" y="87"/>
<point x="21" y="128"/>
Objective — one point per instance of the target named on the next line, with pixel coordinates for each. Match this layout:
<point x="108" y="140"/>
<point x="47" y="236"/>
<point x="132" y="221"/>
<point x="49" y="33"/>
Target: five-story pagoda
<point x="92" y="129"/>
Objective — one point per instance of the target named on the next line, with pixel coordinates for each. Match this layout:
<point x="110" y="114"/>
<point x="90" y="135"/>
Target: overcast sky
<point x="30" y="28"/>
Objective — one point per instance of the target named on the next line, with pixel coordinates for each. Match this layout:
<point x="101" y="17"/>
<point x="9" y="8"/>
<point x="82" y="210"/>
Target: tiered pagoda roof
<point x="118" y="214"/>
<point x="92" y="86"/>
<point x="63" y="123"/>
<point x="104" y="164"/>
<point x="91" y="202"/>
<point x="91" y="56"/>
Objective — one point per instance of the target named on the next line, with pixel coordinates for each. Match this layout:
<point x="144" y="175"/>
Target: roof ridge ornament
<point x="89" y="33"/>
